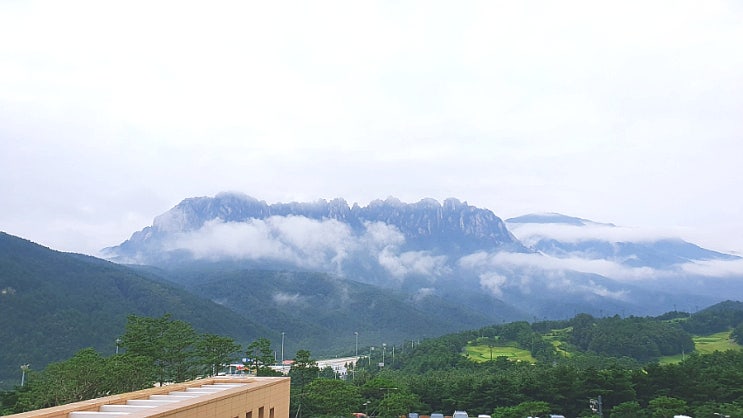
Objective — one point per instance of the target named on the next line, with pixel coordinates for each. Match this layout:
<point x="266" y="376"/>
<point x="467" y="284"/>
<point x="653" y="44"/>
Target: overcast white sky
<point x="624" y="112"/>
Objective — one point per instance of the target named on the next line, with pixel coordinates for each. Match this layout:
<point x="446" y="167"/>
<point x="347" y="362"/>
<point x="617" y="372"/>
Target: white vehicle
<point x="460" y="414"/>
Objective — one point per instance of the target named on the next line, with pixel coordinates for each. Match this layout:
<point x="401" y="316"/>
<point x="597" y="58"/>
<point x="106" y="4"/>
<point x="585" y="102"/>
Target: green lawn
<point x="702" y="344"/>
<point x="558" y="337"/>
<point x="480" y="353"/>
<point x="706" y="344"/>
<point x="715" y="342"/>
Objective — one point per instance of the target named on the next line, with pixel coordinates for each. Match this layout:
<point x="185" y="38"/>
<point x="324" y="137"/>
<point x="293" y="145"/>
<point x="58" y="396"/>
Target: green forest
<point x="581" y="367"/>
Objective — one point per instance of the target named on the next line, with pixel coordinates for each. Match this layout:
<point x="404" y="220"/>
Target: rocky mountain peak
<point x="425" y="225"/>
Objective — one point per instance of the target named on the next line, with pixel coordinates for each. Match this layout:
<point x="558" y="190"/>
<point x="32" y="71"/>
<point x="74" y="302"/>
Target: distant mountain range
<point x="320" y="272"/>
<point x="539" y="265"/>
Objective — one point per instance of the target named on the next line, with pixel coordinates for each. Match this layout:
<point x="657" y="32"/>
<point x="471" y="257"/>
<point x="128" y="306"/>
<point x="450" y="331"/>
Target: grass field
<point x="705" y="345"/>
<point x="482" y="352"/>
<point x="702" y="344"/>
<point x="558" y="337"/>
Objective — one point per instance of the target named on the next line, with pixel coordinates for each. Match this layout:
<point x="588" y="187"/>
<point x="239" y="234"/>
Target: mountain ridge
<point x="540" y="264"/>
<point x="454" y="225"/>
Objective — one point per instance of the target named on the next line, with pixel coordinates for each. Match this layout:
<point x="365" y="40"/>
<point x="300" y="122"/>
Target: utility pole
<point x="24" y="369"/>
<point x="596" y="406"/>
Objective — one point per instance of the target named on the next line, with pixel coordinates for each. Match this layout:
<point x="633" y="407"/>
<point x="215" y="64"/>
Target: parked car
<point x="460" y="414"/>
<point x="437" y="415"/>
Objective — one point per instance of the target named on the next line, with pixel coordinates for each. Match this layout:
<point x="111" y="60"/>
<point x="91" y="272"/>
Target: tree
<point x="629" y="409"/>
<point x="79" y="378"/>
<point x="215" y="352"/>
<point x="168" y="343"/>
<point x="86" y="375"/>
<point x="388" y="396"/>
<point x="508" y="412"/>
<point x="397" y="403"/>
<point x="260" y="356"/>
<point x="737" y="333"/>
<point x="130" y="373"/>
<point x="666" y="407"/>
<point x="714" y="410"/>
<point x="303" y="371"/>
<point x="534" y="408"/>
<point x="332" y="396"/>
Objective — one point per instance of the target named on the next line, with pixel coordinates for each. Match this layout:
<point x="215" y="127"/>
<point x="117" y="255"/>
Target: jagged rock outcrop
<point x="453" y="227"/>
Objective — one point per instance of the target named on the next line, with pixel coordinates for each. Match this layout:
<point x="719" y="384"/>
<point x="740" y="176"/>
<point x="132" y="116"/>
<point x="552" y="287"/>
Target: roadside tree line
<point x="153" y="351"/>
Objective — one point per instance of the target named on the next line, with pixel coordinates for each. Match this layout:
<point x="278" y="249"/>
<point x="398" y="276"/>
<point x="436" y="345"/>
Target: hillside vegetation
<point x="487" y="349"/>
<point x="53" y="304"/>
<point x="455" y="371"/>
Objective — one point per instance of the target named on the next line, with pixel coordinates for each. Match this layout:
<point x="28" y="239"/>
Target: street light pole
<point x="384" y="350"/>
<point x="282" y="350"/>
<point x="24" y="369"/>
<point x="357" y="343"/>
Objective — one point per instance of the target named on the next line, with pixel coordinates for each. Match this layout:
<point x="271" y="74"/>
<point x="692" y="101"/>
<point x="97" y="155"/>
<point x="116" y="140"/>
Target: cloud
<point x="549" y="278"/>
<point x="379" y="235"/>
<point x="540" y="262"/>
<point x="282" y="298"/>
<point x="308" y="243"/>
<point x="369" y="113"/>
<point x="715" y="268"/>
<point x="217" y="239"/>
<point x="423" y="293"/>
<point x="530" y="233"/>
<point x="493" y="282"/>
<point x="304" y="242"/>
<point x="412" y="262"/>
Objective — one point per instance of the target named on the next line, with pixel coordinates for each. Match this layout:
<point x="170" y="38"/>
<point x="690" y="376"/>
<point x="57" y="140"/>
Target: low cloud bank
<point x="308" y="243"/>
<point x="540" y="262"/>
<point x="715" y="268"/>
<point x="329" y="245"/>
<point x="529" y="234"/>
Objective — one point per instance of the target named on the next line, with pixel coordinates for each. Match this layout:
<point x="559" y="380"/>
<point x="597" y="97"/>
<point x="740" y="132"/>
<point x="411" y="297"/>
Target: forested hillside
<point x="52" y="304"/>
<point x="321" y="312"/>
<point x="573" y="365"/>
<point x="574" y="361"/>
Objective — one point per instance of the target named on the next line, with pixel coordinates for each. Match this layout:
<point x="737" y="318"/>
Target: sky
<point x="624" y="112"/>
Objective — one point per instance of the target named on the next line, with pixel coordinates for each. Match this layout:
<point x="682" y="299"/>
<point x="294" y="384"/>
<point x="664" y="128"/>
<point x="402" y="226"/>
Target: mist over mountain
<point x="654" y="261"/>
<point x="541" y="265"/>
<point x="231" y="226"/>
<point x="53" y="304"/>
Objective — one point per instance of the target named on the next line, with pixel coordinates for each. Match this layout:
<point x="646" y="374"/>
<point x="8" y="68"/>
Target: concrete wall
<point x="251" y="397"/>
